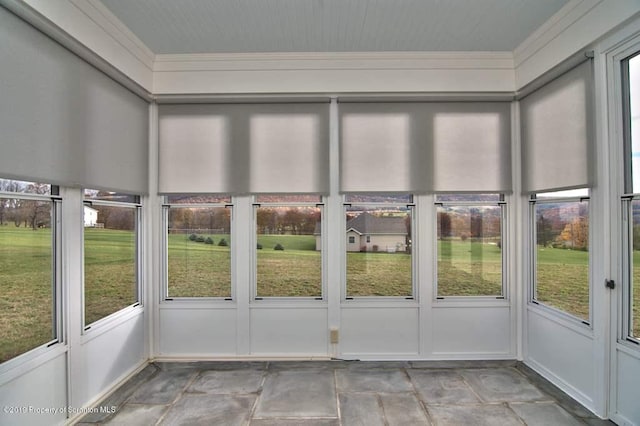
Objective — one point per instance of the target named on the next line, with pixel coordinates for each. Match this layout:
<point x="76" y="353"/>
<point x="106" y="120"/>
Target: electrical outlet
<point x="333" y="335"/>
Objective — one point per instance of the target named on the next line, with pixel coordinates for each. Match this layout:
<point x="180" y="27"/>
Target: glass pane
<point x="199" y="199"/>
<point x="379" y="198"/>
<point x="296" y="198"/>
<point x="8" y="185"/>
<point x="469" y="251"/>
<point x="110" y="276"/>
<point x="289" y="251"/>
<point x="379" y="251"/>
<point x="634" y="297"/>
<point x="562" y="262"/>
<point x="199" y="252"/>
<point x="634" y="112"/>
<point x="469" y="197"/>
<point x="94" y="194"/>
<point x="569" y="193"/>
<point x="26" y="270"/>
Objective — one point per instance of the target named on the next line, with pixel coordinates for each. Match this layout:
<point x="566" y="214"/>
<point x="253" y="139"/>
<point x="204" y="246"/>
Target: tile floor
<point x="340" y="393"/>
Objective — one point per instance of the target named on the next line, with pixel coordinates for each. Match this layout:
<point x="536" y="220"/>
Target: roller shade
<point x="472" y="147"/>
<point x="244" y="148"/>
<point x="425" y="147"/>
<point x="63" y="121"/>
<point x="384" y="148"/>
<point x="557" y="134"/>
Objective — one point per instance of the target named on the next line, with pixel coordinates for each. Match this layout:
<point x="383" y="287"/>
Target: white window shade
<point x="195" y="150"/>
<point x="383" y="148"/>
<point x="65" y="122"/>
<point x="557" y="134"/>
<point x="425" y="147"/>
<point x="244" y="148"/>
<point x="472" y="147"/>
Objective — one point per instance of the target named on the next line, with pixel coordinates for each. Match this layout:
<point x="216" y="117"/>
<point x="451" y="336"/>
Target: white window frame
<point x="503" y="250"/>
<point x="411" y="207"/>
<point x="139" y="238"/>
<point x="57" y="324"/>
<point x="165" y="297"/>
<point x="534" y="200"/>
<point x="255" y="298"/>
<point x="627" y="198"/>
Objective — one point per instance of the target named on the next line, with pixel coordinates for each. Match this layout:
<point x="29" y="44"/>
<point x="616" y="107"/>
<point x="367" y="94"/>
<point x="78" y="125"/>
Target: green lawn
<point x="469" y="268"/>
<point x="110" y="272"/>
<point x="563" y="280"/>
<point x="198" y="269"/>
<point x="26" y="295"/>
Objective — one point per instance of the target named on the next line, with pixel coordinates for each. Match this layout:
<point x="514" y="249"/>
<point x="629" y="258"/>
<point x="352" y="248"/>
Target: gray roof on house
<point x="366" y="223"/>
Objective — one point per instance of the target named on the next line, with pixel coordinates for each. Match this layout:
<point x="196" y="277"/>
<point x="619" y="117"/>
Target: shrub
<point x="223" y="243"/>
<point x="209" y="240"/>
<point x="259" y="246"/>
<point x="193" y="237"/>
<point x="278" y="247"/>
<point x="200" y="239"/>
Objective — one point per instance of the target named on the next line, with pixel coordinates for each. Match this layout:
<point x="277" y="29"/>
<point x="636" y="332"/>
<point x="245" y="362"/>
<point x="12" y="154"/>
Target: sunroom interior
<point x="317" y="180"/>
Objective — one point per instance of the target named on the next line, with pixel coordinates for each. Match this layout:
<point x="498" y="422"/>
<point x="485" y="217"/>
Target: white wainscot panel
<point x="197" y="332"/>
<point x="628" y="395"/>
<point x="278" y="331"/>
<point x="562" y="355"/>
<point x="379" y="332"/>
<point x="471" y="333"/>
<point x="43" y="388"/>
<point x="110" y="356"/>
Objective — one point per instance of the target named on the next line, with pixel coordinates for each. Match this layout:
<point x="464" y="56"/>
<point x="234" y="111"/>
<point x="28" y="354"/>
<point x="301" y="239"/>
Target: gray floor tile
<point x="502" y="385"/>
<point x="373" y="380"/>
<point x="543" y="414"/>
<point x="361" y="409"/>
<point x="477" y="415"/>
<point x="442" y="387"/>
<point x="295" y="422"/>
<point x="458" y="364"/>
<point x="163" y="388"/>
<point x="298" y="393"/>
<point x="228" y="382"/>
<point x="228" y="410"/>
<point x="123" y="393"/>
<point x="305" y="365"/>
<point x="403" y="409"/>
<point x="137" y="415"/>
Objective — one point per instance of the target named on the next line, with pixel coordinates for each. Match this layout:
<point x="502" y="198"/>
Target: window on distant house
<point x="378" y="253"/>
<point x="470" y="245"/>
<point x="561" y="255"/>
<point x="288" y="246"/>
<point x="111" y="253"/>
<point x="29" y="237"/>
<point x="198" y="246"/>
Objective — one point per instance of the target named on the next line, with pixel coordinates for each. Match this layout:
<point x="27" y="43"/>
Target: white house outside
<point x="90" y="217"/>
<point x="368" y="232"/>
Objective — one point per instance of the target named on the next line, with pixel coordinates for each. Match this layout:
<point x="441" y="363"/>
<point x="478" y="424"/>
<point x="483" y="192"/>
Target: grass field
<point x="469" y="268"/>
<point x="198" y="269"/>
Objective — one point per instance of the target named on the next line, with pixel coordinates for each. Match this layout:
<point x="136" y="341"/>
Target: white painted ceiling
<point x="247" y="26"/>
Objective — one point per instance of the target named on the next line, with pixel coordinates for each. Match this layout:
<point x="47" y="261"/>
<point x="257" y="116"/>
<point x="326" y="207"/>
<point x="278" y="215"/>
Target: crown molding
<point x="334" y="61"/>
<point x="112" y="26"/>
<point x="555" y="26"/>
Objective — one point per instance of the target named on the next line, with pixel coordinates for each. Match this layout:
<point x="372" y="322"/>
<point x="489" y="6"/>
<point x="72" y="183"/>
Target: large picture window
<point x="28" y="267"/>
<point x="288" y="246"/>
<point x="378" y="235"/>
<point x="470" y="245"/>
<point x="561" y="255"/>
<point x="198" y="246"/>
<point x="111" y="253"/>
